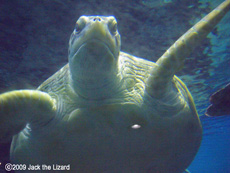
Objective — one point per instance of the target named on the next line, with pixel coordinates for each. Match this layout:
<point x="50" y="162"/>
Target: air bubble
<point x="136" y="126"/>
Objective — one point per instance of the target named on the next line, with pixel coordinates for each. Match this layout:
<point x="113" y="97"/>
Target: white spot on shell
<point x="136" y="126"/>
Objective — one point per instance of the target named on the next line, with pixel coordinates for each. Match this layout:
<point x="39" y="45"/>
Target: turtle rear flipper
<point x="220" y="102"/>
<point x="17" y="108"/>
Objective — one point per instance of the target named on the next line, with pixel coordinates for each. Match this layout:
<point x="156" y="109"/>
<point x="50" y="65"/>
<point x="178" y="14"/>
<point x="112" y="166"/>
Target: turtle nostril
<point x="97" y="19"/>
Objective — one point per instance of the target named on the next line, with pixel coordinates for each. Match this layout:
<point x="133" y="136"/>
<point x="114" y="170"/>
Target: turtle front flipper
<point x="17" y="108"/>
<point x="173" y="59"/>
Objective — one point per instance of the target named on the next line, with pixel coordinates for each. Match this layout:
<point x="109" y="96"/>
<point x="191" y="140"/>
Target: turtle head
<point x="94" y="48"/>
<point x="95" y="36"/>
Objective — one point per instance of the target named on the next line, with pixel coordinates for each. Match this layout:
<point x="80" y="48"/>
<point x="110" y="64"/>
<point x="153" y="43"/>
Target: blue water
<point x="214" y="153"/>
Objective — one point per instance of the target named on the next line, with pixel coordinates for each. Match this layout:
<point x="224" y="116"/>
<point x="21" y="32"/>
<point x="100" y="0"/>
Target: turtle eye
<point x="113" y="29"/>
<point x="77" y="28"/>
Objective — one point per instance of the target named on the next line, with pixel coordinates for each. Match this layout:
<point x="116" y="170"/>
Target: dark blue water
<point x="214" y="153"/>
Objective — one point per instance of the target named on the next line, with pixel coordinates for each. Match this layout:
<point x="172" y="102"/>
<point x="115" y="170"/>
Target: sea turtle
<point x="106" y="110"/>
<point x="220" y="102"/>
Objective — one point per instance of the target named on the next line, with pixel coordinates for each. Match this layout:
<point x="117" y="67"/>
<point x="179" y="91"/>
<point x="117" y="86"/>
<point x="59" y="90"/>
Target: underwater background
<point x="34" y="37"/>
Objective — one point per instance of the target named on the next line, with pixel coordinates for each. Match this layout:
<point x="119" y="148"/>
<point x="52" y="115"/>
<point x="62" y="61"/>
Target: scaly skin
<point x="17" y="108"/>
<point x="173" y="59"/>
